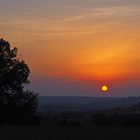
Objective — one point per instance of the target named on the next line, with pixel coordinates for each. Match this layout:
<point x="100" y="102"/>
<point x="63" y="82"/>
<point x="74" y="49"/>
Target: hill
<point x="60" y="104"/>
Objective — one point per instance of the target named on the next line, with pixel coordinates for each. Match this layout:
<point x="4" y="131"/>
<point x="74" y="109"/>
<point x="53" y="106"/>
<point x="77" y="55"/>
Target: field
<point x="75" y="118"/>
<point x="69" y="133"/>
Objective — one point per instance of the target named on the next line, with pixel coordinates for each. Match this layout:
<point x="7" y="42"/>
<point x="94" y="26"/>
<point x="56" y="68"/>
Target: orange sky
<point x="80" y="40"/>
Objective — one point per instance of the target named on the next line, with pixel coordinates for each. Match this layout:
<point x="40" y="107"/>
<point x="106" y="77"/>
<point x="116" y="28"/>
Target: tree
<point x="17" y="105"/>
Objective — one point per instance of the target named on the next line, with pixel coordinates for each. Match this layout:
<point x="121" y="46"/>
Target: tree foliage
<point x="16" y="103"/>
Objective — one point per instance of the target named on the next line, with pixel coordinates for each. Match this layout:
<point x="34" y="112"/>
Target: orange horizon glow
<point x="101" y="45"/>
<point x="116" y="60"/>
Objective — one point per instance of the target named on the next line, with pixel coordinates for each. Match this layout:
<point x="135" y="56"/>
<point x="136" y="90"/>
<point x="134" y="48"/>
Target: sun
<point x="104" y="88"/>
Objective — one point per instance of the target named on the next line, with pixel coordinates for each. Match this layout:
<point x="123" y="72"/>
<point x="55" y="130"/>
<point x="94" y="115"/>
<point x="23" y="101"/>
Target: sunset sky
<point x="73" y="47"/>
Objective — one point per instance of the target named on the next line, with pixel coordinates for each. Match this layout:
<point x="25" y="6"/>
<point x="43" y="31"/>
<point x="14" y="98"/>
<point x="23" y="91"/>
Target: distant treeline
<point x="117" y="117"/>
<point x="101" y="119"/>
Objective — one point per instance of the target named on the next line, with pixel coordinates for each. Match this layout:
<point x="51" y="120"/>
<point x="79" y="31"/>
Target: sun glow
<point x="104" y="88"/>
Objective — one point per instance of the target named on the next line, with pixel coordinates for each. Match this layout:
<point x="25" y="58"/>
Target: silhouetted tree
<point x="16" y="104"/>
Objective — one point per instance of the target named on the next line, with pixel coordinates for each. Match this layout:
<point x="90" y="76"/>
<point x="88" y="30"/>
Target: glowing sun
<point x="104" y="88"/>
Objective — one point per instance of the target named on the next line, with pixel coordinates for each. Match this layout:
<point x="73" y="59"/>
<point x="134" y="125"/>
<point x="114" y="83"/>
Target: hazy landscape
<point x="70" y="103"/>
<point x="70" y="118"/>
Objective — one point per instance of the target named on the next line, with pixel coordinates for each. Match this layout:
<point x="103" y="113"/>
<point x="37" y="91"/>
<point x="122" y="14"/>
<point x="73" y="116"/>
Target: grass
<point x="68" y="133"/>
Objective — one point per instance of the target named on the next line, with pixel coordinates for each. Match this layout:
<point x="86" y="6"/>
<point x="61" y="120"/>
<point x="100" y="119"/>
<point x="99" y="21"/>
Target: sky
<point x="73" y="47"/>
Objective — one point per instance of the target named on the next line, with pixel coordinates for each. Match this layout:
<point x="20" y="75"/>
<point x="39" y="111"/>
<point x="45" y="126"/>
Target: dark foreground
<point x="69" y="133"/>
